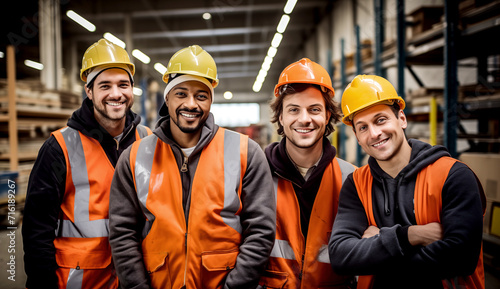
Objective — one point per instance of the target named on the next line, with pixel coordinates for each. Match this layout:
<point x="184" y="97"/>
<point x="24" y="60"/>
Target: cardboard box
<point x="424" y="18"/>
<point x="487" y="168"/>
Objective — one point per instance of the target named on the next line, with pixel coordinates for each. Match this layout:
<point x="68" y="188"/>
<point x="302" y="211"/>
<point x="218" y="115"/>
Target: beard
<point x="189" y="129"/>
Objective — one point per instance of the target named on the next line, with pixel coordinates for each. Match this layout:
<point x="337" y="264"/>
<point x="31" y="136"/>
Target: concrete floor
<point x="11" y="239"/>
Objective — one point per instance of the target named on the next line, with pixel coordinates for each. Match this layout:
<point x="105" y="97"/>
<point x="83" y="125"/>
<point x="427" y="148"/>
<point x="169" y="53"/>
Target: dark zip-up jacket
<point x="46" y="189"/>
<point x="257" y="216"/>
<point x="389" y="256"/>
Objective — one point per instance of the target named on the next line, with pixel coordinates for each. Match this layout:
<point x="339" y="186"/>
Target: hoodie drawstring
<point x="387" y="210"/>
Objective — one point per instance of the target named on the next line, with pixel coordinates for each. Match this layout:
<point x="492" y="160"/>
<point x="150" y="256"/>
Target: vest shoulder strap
<point x="363" y="181"/>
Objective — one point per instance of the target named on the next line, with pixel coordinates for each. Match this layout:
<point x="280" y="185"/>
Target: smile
<point x="303" y="130"/>
<point x="115" y="103"/>
<point x="188" y="115"/>
<point x="380" y="143"/>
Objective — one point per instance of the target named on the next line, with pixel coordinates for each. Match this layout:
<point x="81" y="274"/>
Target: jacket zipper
<point x="184" y="168"/>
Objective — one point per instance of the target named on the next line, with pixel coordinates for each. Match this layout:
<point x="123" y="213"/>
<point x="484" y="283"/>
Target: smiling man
<point x="307" y="178"/>
<point x="412" y="217"/>
<point x="192" y="206"/>
<point x="65" y="224"/>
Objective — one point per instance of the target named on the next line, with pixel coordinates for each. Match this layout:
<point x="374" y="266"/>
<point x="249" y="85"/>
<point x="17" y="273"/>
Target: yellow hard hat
<point x="365" y="91"/>
<point x="104" y="52"/>
<point x="305" y="71"/>
<point x="192" y="60"/>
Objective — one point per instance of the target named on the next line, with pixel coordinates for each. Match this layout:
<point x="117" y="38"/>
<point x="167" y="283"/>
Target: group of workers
<point x="189" y="204"/>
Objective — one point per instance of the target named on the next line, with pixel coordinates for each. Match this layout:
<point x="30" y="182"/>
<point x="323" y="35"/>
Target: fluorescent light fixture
<point x="265" y="66"/>
<point x="141" y="56"/>
<point x="276" y="40"/>
<point x="2" y="55"/>
<point x="228" y="95"/>
<point x="207" y="16"/>
<point x="257" y="86"/>
<point x="271" y="52"/>
<point x="290" y="4"/>
<point x="114" y="39"/>
<point x="160" y="68"/>
<point x="33" y="64"/>
<point x="283" y="23"/>
<point x="80" y="20"/>
<point x="262" y="75"/>
<point x="137" y="91"/>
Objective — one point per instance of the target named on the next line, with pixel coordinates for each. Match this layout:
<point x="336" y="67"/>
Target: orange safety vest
<point x="202" y="252"/>
<point x="295" y="263"/>
<point x="83" y="253"/>
<point x="428" y="206"/>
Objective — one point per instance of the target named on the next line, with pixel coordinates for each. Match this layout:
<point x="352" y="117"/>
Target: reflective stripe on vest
<point x="282" y="248"/>
<point x="75" y="279"/>
<point x="142" y="131"/>
<point x="232" y="171"/>
<point x="82" y="227"/>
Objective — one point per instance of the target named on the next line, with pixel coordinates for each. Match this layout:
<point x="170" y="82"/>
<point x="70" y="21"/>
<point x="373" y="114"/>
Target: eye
<point x="381" y="120"/>
<point x="104" y="86"/>
<point x="202" y="96"/>
<point x="124" y="85"/>
<point x="362" y="128"/>
<point x="315" y="110"/>
<point x="180" y="93"/>
<point x="293" y="110"/>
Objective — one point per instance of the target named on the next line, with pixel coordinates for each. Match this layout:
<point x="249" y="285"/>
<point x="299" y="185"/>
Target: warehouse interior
<point x="439" y="54"/>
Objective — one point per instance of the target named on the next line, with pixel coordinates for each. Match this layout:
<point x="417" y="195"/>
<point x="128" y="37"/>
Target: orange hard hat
<point x="305" y="71"/>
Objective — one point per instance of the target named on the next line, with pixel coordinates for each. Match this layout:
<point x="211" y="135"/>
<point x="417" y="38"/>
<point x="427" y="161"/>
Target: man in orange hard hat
<point x="65" y="224"/>
<point x="192" y="206"/>
<point x="307" y="176"/>
<point x="413" y="216"/>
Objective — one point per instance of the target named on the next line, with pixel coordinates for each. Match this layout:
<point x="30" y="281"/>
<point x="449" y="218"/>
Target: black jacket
<point x="46" y="189"/>
<point x="389" y="256"/>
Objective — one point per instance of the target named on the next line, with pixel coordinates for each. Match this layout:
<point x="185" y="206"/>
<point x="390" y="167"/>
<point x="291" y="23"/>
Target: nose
<point x="115" y="91"/>
<point x="304" y="116"/>
<point x="190" y="102"/>
<point x="374" y="131"/>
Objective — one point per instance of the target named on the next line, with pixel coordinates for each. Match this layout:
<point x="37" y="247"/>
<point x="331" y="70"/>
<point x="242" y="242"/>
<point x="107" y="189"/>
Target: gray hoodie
<point x="257" y="216"/>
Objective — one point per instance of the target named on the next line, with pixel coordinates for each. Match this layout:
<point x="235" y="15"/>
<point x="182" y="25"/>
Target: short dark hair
<point x="331" y="106"/>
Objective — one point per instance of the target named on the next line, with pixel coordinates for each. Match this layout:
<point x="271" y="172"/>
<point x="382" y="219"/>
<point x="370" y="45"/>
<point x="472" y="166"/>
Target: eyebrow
<point x="107" y="81"/>
<point x="312" y="105"/>
<point x="185" y="88"/>
<point x="374" y="117"/>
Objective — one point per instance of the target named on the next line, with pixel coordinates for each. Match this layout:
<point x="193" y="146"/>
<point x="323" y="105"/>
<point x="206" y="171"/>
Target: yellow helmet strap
<point x="187" y="77"/>
<point x="98" y="69"/>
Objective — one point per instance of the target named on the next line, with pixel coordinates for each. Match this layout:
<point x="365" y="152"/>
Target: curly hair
<point x="287" y="89"/>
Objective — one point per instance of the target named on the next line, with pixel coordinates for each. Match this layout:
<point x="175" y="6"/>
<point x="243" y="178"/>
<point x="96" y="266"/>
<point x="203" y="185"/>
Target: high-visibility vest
<point x="83" y="253"/>
<point x="295" y="262"/>
<point x="201" y="252"/>
<point x="428" y="206"/>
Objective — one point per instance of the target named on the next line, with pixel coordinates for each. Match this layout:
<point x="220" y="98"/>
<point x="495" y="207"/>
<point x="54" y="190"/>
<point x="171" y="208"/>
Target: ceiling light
<point x="257" y="86"/>
<point x="207" y="16"/>
<point x="271" y="52"/>
<point x="276" y="40"/>
<point x="283" y="23"/>
<point x="141" y="56"/>
<point x="228" y="95"/>
<point x="33" y="64"/>
<point x="114" y="39"/>
<point x="2" y="54"/>
<point x="137" y="91"/>
<point x="262" y="75"/>
<point x="80" y="20"/>
<point x="290" y="4"/>
<point x="160" y="68"/>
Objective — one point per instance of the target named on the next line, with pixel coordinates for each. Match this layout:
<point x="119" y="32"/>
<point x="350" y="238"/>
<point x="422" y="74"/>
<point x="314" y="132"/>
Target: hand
<point x="370" y="232"/>
<point x="425" y="234"/>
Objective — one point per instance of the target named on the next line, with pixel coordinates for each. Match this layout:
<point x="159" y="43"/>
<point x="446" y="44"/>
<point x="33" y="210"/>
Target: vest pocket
<point x="82" y="253"/>
<point x="217" y="265"/>
<point x="157" y="267"/>
<point x="273" y="279"/>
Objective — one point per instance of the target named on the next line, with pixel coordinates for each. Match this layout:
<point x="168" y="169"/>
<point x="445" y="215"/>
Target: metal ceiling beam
<point x="209" y="48"/>
<point x="215" y="11"/>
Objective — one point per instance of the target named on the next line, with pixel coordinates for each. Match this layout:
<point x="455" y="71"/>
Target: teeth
<point x="303" y="130"/>
<point x="188" y="115"/>
<point x="380" y="143"/>
<point x="114" y="103"/>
